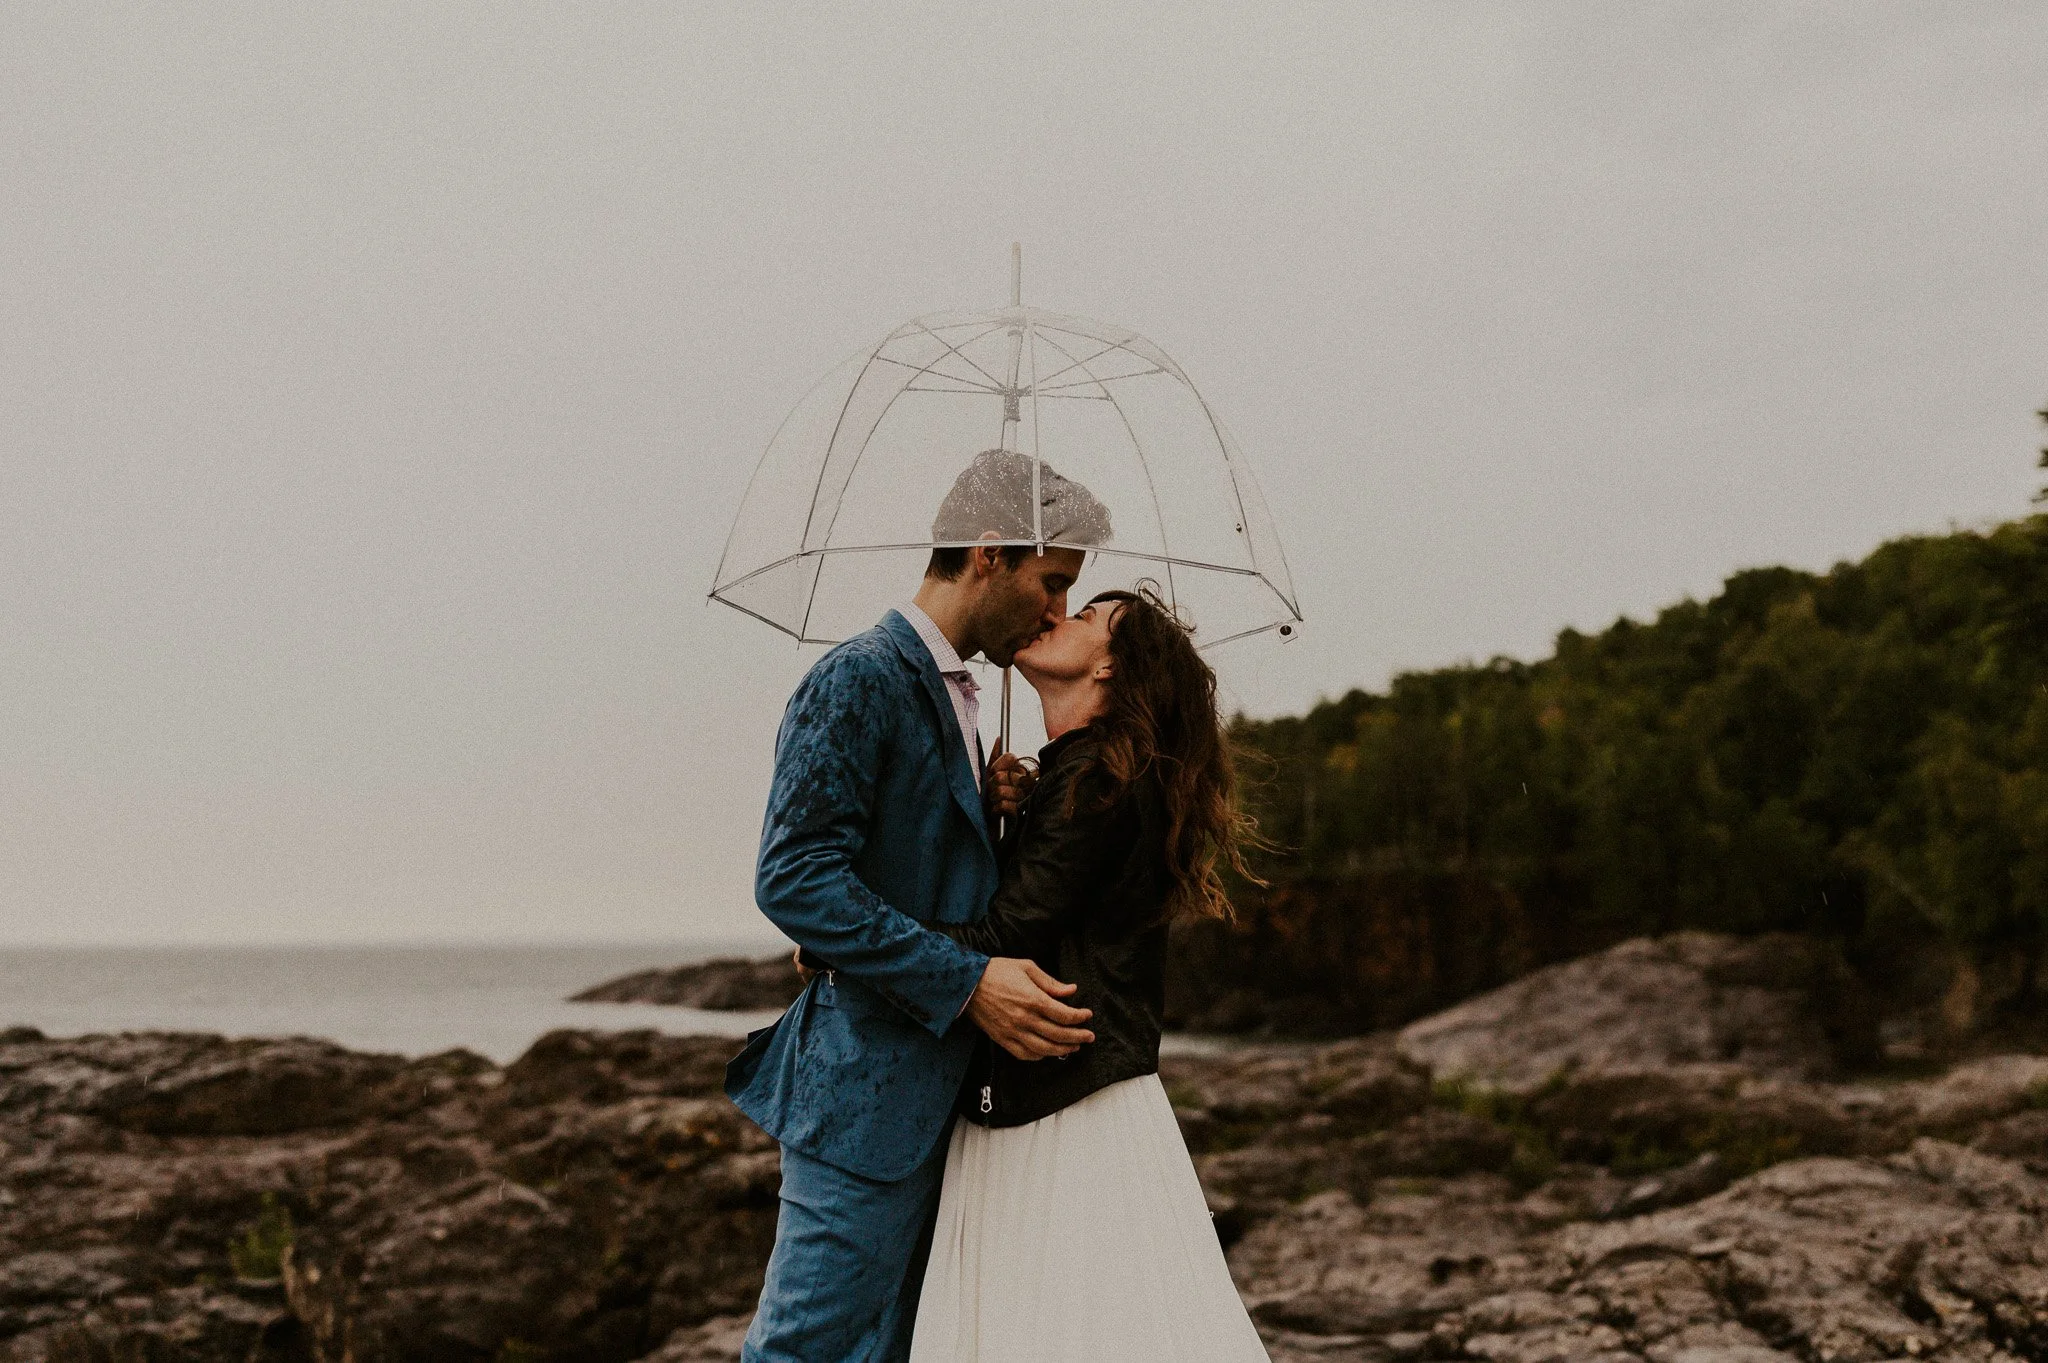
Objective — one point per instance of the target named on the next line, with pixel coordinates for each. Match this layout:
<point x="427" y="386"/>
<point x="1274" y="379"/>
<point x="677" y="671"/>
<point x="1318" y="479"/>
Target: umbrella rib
<point x="919" y="324"/>
<point x="983" y="392"/>
<point x="1241" y="634"/>
<point x="825" y="465"/>
<point x="1124" y="334"/>
<point x="758" y="616"/>
<point x="1096" y="379"/>
<point x="1230" y="568"/>
<point x="1168" y="559"/>
<point x="927" y="368"/>
<point x="1151" y="488"/>
<point x="1243" y="521"/>
<point x="1077" y="364"/>
<point x="726" y="553"/>
<point x="807" y="639"/>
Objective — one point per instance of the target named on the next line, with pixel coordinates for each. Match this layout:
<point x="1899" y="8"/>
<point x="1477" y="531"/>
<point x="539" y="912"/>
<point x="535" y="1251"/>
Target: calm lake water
<point x="414" y="1000"/>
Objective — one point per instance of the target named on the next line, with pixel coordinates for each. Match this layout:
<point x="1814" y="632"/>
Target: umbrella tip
<point x="1016" y="274"/>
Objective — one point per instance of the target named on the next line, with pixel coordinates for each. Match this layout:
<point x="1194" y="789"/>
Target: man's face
<point x="1019" y="604"/>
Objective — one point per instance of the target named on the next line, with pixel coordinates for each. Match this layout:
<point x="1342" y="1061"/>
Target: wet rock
<point x="1398" y="1263"/>
<point x="608" y="1196"/>
<point x="587" y="1202"/>
<point x="728" y="983"/>
<point x="1978" y="1092"/>
<point x="1704" y="1177"/>
<point x="1935" y="1252"/>
<point x="1292" y="1094"/>
<point x="1366" y="1083"/>
<point x="193" y="1085"/>
<point x="181" y="1323"/>
<point x="1438" y="1143"/>
<point x="600" y="1067"/>
<point x="599" y="1200"/>
<point x="2022" y="1136"/>
<point x="1650" y="1118"/>
<point x="715" y="1341"/>
<point x="1775" y="1006"/>
<point x="1252" y="1184"/>
<point x="1254" y="1084"/>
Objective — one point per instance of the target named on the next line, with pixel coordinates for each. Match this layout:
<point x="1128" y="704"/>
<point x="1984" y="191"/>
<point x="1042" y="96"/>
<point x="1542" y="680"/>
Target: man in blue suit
<point x="878" y="824"/>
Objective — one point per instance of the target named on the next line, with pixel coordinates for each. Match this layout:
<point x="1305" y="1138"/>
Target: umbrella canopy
<point x="865" y="477"/>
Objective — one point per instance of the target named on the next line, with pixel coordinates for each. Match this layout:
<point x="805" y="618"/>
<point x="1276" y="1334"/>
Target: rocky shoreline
<point x="1629" y="1185"/>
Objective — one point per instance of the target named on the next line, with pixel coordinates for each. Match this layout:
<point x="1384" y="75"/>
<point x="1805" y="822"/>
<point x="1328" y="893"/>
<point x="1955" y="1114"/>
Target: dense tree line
<point x="1860" y="754"/>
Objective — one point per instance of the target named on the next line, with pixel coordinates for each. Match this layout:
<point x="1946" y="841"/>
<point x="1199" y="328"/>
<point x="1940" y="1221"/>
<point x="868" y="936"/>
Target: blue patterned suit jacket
<point x="874" y="828"/>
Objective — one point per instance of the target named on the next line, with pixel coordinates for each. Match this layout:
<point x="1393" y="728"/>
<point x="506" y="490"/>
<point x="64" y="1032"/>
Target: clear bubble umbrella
<point x="844" y="509"/>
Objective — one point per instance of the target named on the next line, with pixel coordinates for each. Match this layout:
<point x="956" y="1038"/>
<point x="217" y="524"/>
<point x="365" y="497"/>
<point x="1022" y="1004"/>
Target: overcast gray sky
<point x="376" y="380"/>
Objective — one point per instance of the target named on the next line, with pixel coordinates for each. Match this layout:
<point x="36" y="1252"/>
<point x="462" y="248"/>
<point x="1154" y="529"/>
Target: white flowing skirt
<point x="1083" y="1235"/>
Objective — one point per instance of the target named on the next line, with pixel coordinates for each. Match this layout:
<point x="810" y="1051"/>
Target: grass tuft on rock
<point x="258" y="1253"/>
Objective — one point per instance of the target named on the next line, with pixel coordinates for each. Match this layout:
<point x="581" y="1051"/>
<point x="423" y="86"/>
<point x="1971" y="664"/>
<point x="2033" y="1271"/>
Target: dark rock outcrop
<point x="728" y="983"/>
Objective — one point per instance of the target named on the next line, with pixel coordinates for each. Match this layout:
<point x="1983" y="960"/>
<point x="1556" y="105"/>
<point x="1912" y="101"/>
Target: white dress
<point x="1083" y="1235"/>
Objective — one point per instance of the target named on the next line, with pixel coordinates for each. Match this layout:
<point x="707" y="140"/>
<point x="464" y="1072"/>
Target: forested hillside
<point x="1860" y="754"/>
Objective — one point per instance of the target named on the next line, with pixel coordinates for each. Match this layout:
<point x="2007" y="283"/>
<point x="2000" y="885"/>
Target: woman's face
<point x="1075" y="649"/>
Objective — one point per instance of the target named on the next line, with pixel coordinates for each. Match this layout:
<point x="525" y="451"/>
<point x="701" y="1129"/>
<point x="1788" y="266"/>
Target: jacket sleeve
<point x="828" y="757"/>
<point x="1063" y="861"/>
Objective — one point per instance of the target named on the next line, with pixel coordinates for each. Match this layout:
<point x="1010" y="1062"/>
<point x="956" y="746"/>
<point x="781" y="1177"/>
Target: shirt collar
<point x="942" y="651"/>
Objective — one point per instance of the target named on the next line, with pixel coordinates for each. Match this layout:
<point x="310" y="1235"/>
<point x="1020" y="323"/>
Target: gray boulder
<point x="1777" y="1006"/>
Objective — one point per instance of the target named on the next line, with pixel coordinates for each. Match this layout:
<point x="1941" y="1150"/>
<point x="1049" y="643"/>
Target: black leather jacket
<point x="1083" y="893"/>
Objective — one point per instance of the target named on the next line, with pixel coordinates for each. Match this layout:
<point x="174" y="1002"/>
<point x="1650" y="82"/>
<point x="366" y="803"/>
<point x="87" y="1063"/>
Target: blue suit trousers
<point x="849" y="1259"/>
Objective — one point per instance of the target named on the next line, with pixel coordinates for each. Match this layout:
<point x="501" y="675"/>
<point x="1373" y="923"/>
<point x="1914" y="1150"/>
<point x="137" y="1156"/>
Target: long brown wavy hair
<point x="1162" y="727"/>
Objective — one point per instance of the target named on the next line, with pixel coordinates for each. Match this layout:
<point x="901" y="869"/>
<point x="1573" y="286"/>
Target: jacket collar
<point x="959" y="775"/>
<point x="1050" y="753"/>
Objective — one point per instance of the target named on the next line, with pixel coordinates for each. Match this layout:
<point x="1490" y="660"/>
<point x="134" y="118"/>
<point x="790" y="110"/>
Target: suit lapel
<point x="959" y="772"/>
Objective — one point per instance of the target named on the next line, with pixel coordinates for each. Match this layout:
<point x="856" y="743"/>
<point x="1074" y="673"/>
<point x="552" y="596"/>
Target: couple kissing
<point x="979" y="1163"/>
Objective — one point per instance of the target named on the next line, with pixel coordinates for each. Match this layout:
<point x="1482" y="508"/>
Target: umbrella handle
<point x="1003" y="746"/>
<point x="1003" y="729"/>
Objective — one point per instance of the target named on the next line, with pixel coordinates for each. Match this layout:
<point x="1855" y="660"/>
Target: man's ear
<point x="988" y="557"/>
<point x="1105" y="672"/>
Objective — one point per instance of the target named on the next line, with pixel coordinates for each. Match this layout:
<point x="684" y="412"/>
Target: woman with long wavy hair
<point x="1071" y="1223"/>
